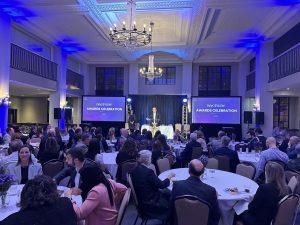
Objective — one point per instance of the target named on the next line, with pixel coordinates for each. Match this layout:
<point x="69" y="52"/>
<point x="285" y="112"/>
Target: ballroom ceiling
<point x="186" y="30"/>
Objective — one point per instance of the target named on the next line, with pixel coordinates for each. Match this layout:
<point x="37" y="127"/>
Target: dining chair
<point x="224" y="162"/>
<point x="123" y="206"/>
<point x="212" y="163"/>
<point x="127" y="167"/>
<point x="152" y="167"/>
<point x="287" y="210"/>
<point x="52" y="167"/>
<point x="191" y="210"/>
<point x="196" y="152"/>
<point x="163" y="164"/>
<point x="246" y="170"/>
<point x="293" y="182"/>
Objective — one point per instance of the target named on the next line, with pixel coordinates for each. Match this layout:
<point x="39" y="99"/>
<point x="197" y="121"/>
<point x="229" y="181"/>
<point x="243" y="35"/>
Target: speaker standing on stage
<point x="155" y="118"/>
<point x="131" y="121"/>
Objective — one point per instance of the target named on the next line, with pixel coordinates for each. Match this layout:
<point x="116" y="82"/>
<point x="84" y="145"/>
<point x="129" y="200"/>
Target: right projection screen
<point x="216" y="110"/>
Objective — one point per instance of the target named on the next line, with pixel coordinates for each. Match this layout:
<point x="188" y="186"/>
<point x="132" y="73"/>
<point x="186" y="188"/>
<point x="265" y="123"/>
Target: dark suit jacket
<point x="233" y="156"/>
<point x="194" y="186"/>
<point x="131" y="122"/>
<point x="60" y="213"/>
<point x="147" y="186"/>
<point x="186" y="154"/>
<point x="157" y="119"/>
<point x="262" y="140"/>
<point x="263" y="207"/>
<point x="70" y="171"/>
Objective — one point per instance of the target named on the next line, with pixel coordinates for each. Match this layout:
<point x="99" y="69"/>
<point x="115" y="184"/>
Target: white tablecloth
<point x="220" y="180"/>
<point x="13" y="197"/>
<point x="109" y="159"/>
<point x="251" y="157"/>
<point x="178" y="148"/>
<point x="166" y="130"/>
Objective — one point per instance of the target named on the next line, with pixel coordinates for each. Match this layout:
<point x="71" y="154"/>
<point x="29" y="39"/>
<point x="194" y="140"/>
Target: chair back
<point x="224" y="162"/>
<point x="133" y="191"/>
<point x="123" y="206"/>
<point x="126" y="168"/>
<point x="197" y="152"/>
<point x="212" y="163"/>
<point x="163" y="165"/>
<point x="289" y="174"/>
<point x="293" y="182"/>
<point x="246" y="170"/>
<point x="152" y="167"/>
<point x="191" y="210"/>
<point x="171" y="158"/>
<point x="178" y="126"/>
<point x="52" y="167"/>
<point x="287" y="210"/>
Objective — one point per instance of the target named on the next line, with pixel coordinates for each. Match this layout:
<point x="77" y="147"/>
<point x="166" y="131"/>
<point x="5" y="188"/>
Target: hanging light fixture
<point x="151" y="72"/>
<point x="129" y="36"/>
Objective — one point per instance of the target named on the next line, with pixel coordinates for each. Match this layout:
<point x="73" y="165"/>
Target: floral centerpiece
<point x="5" y="182"/>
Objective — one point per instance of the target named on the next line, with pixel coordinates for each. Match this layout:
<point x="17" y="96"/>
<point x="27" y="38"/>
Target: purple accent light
<point x="286" y="2"/>
<point x="15" y="10"/>
<point x="69" y="46"/>
<point x="251" y="41"/>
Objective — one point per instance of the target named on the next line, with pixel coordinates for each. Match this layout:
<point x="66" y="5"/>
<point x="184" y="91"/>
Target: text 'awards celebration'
<point x="151" y="112"/>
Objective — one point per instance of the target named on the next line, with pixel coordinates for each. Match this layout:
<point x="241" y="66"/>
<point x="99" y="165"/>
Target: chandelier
<point x="130" y="37"/>
<point x="152" y="71"/>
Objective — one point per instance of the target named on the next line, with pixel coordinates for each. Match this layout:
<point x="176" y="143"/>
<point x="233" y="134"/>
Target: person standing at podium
<point x="154" y="118"/>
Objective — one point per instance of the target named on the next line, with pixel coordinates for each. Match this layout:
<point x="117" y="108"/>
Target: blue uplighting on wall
<point x="286" y="2"/>
<point x="251" y="41"/>
<point x="15" y="10"/>
<point x="69" y="46"/>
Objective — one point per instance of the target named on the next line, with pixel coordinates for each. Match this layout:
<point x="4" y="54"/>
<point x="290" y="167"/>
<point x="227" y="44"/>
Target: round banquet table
<point x="109" y="159"/>
<point x="220" y="180"/>
<point x="13" y="198"/>
<point x="250" y="157"/>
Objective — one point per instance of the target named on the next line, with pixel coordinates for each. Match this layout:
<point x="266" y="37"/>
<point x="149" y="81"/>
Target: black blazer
<point x="186" y="154"/>
<point x="147" y="187"/>
<point x="262" y="140"/>
<point x="157" y="119"/>
<point x="232" y="155"/>
<point x="60" y="213"/>
<point x="263" y="207"/>
<point x="194" y="186"/>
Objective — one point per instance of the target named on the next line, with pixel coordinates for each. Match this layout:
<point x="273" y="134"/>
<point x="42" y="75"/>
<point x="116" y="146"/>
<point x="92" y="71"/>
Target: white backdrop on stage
<point x="166" y="130"/>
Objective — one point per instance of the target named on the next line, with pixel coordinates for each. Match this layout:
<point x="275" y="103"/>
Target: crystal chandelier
<point x="151" y="72"/>
<point x="130" y="37"/>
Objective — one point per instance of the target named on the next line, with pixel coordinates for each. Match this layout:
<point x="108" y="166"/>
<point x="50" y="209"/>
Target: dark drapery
<point x="168" y="106"/>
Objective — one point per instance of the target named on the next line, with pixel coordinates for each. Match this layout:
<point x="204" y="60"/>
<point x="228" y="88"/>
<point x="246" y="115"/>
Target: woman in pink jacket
<point x="100" y="197"/>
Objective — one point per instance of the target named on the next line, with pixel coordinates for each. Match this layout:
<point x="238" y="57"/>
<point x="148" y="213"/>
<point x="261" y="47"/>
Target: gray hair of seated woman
<point x="144" y="157"/>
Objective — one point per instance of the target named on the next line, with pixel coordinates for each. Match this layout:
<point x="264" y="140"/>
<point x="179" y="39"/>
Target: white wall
<point x="30" y="110"/>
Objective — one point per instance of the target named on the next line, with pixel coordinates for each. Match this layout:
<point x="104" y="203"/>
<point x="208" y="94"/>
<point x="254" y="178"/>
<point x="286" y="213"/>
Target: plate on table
<point x="232" y="191"/>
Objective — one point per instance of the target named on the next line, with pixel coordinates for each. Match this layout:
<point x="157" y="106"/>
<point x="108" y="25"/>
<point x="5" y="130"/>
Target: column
<point x="264" y="98"/>
<point x="133" y="81"/>
<point x="58" y="98"/>
<point x="5" y="40"/>
<point x="186" y="87"/>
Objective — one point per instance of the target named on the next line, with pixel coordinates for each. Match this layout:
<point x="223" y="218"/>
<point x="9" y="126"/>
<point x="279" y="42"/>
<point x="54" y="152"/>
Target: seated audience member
<point x="93" y="152"/>
<point x="195" y="187"/>
<point x="291" y="151"/>
<point x="75" y="161"/>
<point x="152" y="201"/>
<point x="165" y="147"/>
<point x="57" y="135"/>
<point x="201" y="140"/>
<point x="15" y="145"/>
<point x="83" y="144"/>
<point x="128" y="152"/>
<point x="51" y="150"/>
<point x="252" y="140"/>
<point x="157" y="133"/>
<point x="262" y="139"/>
<point x="186" y="154"/>
<point x="294" y="164"/>
<point x="33" y="131"/>
<point x="157" y="153"/>
<point x="111" y="134"/>
<point x="7" y="136"/>
<point x="25" y="169"/>
<point x="216" y="143"/>
<point x="262" y="208"/>
<point x="121" y="140"/>
<point x="232" y="155"/>
<point x="271" y="154"/>
<point x="50" y="133"/>
<point x="279" y="133"/>
<point x="103" y="143"/>
<point x="177" y="136"/>
<point x="100" y="197"/>
<point x="40" y="204"/>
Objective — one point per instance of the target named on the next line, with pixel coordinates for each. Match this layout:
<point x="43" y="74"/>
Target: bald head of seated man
<point x="196" y="168"/>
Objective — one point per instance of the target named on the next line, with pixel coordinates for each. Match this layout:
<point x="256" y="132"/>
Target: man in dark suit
<point x="262" y="139"/>
<point x="232" y="155"/>
<point x="155" y="117"/>
<point x="75" y="160"/>
<point x="186" y="154"/>
<point x="194" y="186"/>
<point x="131" y="122"/>
<point x="152" y="201"/>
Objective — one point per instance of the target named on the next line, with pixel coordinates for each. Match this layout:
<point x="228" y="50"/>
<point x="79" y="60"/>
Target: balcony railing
<point x="74" y="80"/>
<point x="285" y="64"/>
<point x="250" y="81"/>
<point x="26" y="61"/>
